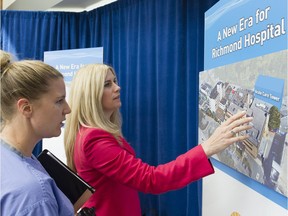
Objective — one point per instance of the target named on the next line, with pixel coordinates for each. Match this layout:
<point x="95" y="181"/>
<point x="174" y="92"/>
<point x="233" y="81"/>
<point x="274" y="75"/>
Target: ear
<point x="24" y="106"/>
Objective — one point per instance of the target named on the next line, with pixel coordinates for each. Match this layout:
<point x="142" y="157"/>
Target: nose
<point x="67" y="109"/>
<point x="117" y="87"/>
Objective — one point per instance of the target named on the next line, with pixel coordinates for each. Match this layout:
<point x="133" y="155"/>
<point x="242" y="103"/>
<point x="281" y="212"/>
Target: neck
<point x="19" y="140"/>
<point x="108" y="115"/>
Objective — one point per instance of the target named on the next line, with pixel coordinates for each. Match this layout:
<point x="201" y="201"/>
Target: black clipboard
<point x="72" y="185"/>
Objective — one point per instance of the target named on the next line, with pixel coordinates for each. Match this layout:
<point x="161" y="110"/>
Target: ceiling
<point x="54" y="5"/>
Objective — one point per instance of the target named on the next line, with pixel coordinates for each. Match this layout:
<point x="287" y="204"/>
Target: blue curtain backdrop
<point x="156" y="48"/>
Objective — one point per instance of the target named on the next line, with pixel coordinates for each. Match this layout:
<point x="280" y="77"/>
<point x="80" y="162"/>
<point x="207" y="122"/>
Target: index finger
<point x="235" y="117"/>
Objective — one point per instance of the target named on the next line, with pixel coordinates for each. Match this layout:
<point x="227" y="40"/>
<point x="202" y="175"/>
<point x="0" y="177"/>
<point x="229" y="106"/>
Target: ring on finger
<point x="233" y="133"/>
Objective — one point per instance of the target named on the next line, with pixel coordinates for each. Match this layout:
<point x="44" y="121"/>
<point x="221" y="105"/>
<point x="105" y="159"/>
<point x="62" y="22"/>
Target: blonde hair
<point x="85" y="100"/>
<point x="22" y="79"/>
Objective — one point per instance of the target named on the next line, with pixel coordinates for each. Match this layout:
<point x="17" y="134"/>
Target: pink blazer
<point x="117" y="175"/>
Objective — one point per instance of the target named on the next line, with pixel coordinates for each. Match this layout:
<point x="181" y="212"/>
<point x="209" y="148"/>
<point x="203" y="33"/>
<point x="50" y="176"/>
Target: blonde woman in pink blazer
<point x="96" y="150"/>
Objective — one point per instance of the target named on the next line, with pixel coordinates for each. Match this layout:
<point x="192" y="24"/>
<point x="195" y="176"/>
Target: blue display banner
<point x="68" y="62"/>
<point x="236" y="30"/>
<point x="245" y="68"/>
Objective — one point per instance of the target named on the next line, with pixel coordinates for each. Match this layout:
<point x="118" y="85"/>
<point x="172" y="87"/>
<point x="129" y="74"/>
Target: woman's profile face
<point x="49" y="111"/>
<point x="111" y="94"/>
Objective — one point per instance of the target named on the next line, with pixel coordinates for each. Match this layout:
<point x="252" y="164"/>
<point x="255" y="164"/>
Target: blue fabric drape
<point x="156" y="48"/>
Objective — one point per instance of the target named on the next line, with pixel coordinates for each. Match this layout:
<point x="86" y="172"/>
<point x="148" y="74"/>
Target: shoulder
<point x="98" y="141"/>
<point x="94" y="131"/>
<point x="27" y="188"/>
<point x="25" y="191"/>
<point x="88" y="135"/>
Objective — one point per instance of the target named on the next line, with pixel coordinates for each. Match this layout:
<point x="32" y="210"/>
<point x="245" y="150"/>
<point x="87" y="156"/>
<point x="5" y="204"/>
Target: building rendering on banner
<point x="262" y="152"/>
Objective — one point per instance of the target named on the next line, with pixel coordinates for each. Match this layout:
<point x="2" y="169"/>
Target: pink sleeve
<point x="104" y="154"/>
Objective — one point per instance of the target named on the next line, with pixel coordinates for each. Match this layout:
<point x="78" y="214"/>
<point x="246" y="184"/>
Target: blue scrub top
<point x="26" y="187"/>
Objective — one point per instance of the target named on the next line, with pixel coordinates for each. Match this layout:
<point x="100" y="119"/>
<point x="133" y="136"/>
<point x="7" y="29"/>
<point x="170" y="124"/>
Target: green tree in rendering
<point x="274" y="120"/>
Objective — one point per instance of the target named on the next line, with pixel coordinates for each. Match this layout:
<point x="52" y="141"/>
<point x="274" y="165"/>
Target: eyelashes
<point x="109" y="83"/>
